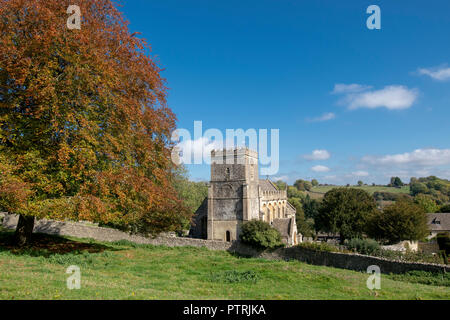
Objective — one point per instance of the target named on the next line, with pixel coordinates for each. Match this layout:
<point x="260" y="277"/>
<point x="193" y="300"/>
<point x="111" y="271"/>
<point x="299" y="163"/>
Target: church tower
<point x="233" y="192"/>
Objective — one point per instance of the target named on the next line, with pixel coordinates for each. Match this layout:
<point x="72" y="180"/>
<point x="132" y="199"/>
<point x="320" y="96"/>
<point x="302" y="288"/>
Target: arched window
<point x="228" y="236"/>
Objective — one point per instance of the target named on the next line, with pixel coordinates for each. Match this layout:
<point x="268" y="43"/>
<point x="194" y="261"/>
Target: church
<point x="236" y="195"/>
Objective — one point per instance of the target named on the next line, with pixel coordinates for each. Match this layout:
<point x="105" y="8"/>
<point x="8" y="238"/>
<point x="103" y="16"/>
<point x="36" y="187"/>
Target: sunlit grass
<point x="124" y="271"/>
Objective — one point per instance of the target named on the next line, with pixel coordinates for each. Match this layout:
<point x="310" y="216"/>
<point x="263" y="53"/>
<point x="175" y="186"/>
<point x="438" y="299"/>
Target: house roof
<point x="439" y="221"/>
<point x="267" y="185"/>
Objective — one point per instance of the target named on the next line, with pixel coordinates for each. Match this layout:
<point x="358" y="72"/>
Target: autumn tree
<point x="84" y="125"/>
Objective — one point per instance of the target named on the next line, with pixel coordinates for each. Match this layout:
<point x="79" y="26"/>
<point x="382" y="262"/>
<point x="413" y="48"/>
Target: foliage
<point x="84" y="125"/>
<point x="443" y="240"/>
<point x="260" y="234"/>
<point x="303" y="185"/>
<point x="403" y="220"/>
<point x="311" y="207"/>
<point x="192" y="193"/>
<point x="314" y="182"/>
<point x="345" y="211"/>
<point x="396" y="182"/>
<point x="428" y="278"/>
<point x="389" y="196"/>
<point x="292" y="192"/>
<point x="360" y="183"/>
<point x="438" y="189"/>
<point x="426" y="202"/>
<point x="363" y="246"/>
<point x="319" y="246"/>
<point x="445" y="208"/>
<point x="304" y="226"/>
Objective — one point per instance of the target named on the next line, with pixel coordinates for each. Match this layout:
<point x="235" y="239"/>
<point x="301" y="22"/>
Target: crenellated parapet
<point x="274" y="195"/>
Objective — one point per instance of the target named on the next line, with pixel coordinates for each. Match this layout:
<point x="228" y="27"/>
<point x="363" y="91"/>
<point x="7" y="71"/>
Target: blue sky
<point x="350" y="103"/>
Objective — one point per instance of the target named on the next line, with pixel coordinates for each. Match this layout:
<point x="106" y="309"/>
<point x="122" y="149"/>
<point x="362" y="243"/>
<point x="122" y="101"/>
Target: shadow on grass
<point x="46" y="245"/>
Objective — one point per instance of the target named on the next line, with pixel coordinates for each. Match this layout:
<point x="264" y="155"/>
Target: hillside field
<point x="319" y="191"/>
<point x="125" y="270"/>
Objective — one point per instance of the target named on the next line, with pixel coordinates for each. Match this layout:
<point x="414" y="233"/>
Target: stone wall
<point x="429" y="247"/>
<point x="355" y="262"/>
<point x="82" y="230"/>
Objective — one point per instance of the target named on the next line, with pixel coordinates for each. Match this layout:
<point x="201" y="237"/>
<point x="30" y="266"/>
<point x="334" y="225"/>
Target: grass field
<point x="319" y="191"/>
<point x="129" y="271"/>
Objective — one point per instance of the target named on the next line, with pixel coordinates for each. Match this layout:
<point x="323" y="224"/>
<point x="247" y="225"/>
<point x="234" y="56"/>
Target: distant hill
<point x="319" y="191"/>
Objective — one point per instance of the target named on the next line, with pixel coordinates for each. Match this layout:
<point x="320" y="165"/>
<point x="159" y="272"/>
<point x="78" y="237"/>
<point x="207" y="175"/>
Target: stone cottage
<point x="236" y="194"/>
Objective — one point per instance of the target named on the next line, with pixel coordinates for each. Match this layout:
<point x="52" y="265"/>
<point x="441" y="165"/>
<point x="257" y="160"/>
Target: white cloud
<point x="320" y="169"/>
<point x="437" y="73"/>
<point x="360" y="173"/>
<point x="324" y="117"/>
<point x="318" y="155"/>
<point x="421" y="157"/>
<point x="394" y="97"/>
<point x="349" y="88"/>
<point x="390" y="97"/>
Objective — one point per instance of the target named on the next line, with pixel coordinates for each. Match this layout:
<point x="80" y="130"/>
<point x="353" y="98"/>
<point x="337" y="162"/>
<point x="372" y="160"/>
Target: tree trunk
<point x="24" y="230"/>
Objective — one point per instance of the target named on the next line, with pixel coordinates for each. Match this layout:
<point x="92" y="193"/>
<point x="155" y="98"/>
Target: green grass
<point x="369" y="189"/>
<point x="123" y="270"/>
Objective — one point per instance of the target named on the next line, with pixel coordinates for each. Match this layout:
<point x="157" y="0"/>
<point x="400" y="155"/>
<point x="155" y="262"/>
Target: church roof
<point x="267" y="185"/>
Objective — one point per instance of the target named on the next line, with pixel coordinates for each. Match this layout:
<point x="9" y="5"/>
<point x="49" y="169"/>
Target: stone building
<point x="236" y="194"/>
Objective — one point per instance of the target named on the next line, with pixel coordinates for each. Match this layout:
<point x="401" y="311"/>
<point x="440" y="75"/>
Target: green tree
<point x="292" y="192"/>
<point x="192" y="193"/>
<point x="260" y="234"/>
<point x="311" y="207"/>
<point x="396" y="182"/>
<point x="304" y="226"/>
<point x="345" y="211"/>
<point x="360" y="183"/>
<point x="427" y="203"/>
<point x="314" y="182"/>
<point x="403" y="220"/>
<point x="445" y="208"/>
<point x="303" y="185"/>
<point x="418" y="187"/>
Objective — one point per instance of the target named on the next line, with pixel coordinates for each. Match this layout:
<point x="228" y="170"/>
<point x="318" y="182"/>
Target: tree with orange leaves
<point x="84" y="125"/>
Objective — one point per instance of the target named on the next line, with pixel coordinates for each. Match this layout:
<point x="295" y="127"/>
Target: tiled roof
<point x="439" y="221"/>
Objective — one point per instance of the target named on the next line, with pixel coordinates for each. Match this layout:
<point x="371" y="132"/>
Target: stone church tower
<point x="233" y="192"/>
<point x="236" y="195"/>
